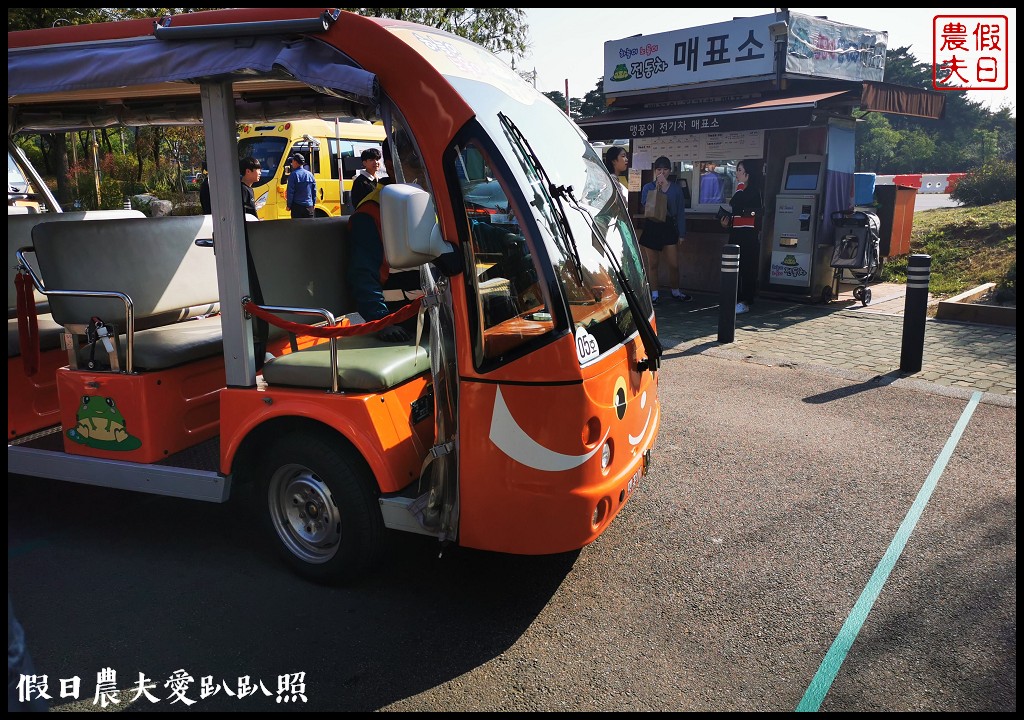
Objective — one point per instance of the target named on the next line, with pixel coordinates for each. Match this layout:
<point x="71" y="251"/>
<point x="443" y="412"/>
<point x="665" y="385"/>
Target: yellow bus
<point x="326" y="145"/>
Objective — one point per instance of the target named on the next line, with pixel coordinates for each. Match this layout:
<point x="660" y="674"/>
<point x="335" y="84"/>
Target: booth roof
<point x="793" y="110"/>
<point x="746" y="114"/>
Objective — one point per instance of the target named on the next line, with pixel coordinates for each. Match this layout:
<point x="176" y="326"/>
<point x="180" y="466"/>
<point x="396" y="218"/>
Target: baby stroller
<point x="855" y="257"/>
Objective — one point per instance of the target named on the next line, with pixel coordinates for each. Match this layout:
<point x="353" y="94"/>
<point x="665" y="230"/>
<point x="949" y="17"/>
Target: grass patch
<point x="969" y="246"/>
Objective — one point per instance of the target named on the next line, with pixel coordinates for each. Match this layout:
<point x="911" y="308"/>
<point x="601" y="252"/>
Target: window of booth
<point x="705" y="163"/>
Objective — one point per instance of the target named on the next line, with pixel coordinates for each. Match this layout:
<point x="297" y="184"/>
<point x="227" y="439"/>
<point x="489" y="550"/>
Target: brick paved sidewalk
<point x="848" y="336"/>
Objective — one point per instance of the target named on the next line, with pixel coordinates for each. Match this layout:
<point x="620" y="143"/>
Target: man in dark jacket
<point x="368" y="271"/>
<point x="249" y="169"/>
<point x="366" y="179"/>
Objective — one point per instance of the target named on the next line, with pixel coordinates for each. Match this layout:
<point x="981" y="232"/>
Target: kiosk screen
<point x="803" y="176"/>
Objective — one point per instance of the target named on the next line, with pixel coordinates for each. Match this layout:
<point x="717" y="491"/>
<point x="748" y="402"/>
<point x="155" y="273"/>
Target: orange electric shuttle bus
<point x="204" y="352"/>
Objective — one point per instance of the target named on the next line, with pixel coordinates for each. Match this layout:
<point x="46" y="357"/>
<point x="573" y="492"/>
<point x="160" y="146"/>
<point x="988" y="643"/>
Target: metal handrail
<point x="129" y="307"/>
<point x="327" y="315"/>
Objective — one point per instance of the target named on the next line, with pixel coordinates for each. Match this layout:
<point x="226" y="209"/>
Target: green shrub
<point x="1006" y="290"/>
<point x="993" y="182"/>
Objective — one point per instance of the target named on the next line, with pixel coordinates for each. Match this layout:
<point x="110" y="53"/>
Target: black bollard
<point x="915" y="312"/>
<point x="727" y="296"/>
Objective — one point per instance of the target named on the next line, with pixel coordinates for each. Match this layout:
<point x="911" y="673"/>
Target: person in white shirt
<point x="366" y="179"/>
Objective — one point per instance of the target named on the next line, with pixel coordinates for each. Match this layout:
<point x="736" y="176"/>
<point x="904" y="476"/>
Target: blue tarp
<point x="147" y="60"/>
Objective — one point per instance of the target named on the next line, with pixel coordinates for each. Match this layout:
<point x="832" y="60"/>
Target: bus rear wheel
<point x="322" y="508"/>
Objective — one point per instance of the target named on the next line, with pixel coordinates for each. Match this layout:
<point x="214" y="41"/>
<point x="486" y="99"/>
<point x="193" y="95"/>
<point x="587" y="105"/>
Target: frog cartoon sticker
<point x="101" y="425"/>
<point x="621" y="73"/>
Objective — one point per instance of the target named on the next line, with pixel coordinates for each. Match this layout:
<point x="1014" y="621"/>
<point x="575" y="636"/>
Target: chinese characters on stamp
<point x="970" y="52"/>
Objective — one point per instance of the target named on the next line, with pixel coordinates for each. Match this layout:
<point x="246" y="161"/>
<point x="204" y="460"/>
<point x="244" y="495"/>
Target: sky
<point x="569" y="44"/>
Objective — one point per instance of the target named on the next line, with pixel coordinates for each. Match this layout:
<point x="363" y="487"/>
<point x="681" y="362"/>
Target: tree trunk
<point x="138" y="155"/>
<point x="59" y="143"/>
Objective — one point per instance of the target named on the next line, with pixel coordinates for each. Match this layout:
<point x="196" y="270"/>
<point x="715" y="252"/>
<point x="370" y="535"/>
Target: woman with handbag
<point x="664" y="228"/>
<point x="742" y="225"/>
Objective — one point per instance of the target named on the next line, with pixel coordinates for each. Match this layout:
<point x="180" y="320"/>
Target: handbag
<point x="656" y="207"/>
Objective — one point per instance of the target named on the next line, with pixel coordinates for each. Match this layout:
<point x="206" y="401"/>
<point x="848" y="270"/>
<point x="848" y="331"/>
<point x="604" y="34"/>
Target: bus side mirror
<point x="408" y="221"/>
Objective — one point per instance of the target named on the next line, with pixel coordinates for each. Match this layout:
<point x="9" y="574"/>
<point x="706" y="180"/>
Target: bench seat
<point x="365" y="364"/>
<point x="302" y="263"/>
<point x="19" y="235"/>
<point x="168" y="346"/>
<point x="156" y="263"/>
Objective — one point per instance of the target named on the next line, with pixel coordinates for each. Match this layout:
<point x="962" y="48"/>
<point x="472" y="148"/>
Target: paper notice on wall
<point x="642" y="160"/>
<point x="634" y="180"/>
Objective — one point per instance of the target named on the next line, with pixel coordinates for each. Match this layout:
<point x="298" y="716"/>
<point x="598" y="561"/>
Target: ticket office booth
<point x="704" y="164"/>
<point x="765" y="87"/>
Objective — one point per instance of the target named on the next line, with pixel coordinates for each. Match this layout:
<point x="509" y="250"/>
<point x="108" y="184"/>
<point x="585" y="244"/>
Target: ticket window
<point x="713" y="184"/>
<point x="681" y="174"/>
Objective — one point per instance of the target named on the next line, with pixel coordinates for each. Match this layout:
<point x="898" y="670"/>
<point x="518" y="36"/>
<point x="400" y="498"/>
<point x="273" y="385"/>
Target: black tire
<point x="826" y="294"/>
<point x="320" y="505"/>
<point x="865" y="297"/>
<point x="858" y="292"/>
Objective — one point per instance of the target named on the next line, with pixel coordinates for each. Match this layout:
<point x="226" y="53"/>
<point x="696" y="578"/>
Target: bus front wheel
<point x="321" y="505"/>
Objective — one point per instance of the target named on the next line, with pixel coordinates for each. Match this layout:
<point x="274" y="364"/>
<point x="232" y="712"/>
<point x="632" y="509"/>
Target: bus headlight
<point x="262" y="199"/>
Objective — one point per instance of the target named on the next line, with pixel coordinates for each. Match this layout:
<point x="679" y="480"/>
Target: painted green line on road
<point x="829" y="668"/>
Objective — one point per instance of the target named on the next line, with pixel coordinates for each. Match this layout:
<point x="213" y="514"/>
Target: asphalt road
<point x="773" y="498"/>
<point x="930" y="201"/>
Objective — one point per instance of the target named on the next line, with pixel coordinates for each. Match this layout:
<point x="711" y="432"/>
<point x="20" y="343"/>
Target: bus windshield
<point x="269" y="150"/>
<point x="595" y="235"/>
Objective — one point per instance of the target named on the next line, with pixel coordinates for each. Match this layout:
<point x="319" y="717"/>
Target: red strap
<point x="334" y="331"/>
<point x="742" y="222"/>
<point x="28" y="325"/>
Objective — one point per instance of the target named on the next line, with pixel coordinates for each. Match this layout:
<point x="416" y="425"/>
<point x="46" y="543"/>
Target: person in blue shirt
<point x="301" y="195"/>
<point x="712" y="189"/>
<point x="662" y="239"/>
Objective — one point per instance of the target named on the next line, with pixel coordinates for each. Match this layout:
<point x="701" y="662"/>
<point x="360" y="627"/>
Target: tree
<point x="918" y="148"/>
<point x="559" y="100"/>
<point x="497" y="29"/>
<point x="876" y="143"/>
<point x="593" y="102"/>
<point x="36" y="18"/>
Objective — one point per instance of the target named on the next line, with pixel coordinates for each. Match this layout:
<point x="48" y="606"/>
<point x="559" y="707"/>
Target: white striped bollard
<point x="727" y="296"/>
<point x="915" y="312"/>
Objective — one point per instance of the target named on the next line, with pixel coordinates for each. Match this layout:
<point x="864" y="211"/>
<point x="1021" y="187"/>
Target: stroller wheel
<point x="865" y="297"/>
<point x="826" y="294"/>
<point x="858" y="292"/>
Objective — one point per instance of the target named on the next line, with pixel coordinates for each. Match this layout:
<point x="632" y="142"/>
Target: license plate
<point x="634" y="481"/>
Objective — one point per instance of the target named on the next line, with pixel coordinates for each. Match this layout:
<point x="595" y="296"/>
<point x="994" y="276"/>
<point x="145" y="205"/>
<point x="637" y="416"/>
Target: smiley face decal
<point x="509" y="436"/>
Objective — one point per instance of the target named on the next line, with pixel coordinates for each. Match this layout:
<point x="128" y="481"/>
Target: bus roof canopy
<point x="127" y="81"/>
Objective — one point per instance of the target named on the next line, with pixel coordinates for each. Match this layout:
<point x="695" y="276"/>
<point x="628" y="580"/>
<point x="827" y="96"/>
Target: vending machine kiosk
<point x="800" y="260"/>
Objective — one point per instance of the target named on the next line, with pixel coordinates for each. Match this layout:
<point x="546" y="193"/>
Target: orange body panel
<point x="377" y="424"/>
<point x="531" y="476"/>
<point x="153" y="415"/>
<point x="32" y="401"/>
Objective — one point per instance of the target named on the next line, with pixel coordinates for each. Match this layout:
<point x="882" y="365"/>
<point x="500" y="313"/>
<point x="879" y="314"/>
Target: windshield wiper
<point x="649" y="339"/>
<point x="555" y="191"/>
